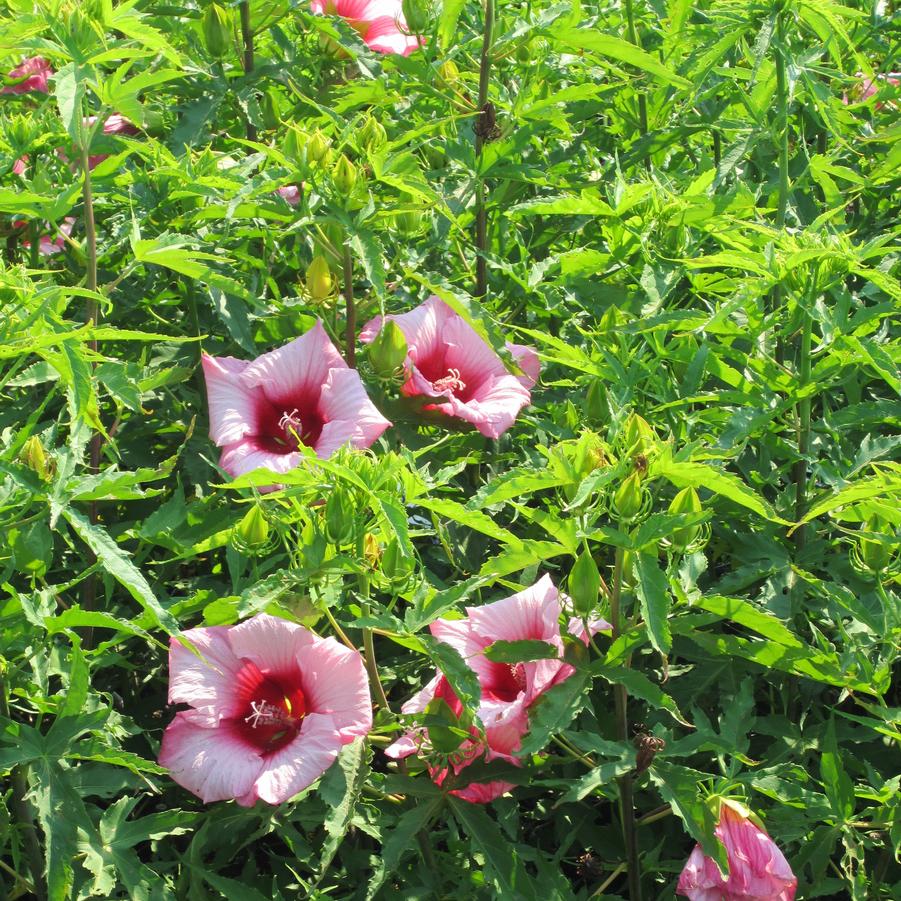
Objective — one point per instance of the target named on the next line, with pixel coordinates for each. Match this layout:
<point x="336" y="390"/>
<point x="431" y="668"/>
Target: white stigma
<point x="265" y="714"/>
<point x="450" y="382"/>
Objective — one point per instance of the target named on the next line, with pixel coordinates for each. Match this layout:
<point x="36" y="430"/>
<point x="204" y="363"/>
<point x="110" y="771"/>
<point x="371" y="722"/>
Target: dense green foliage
<point x="693" y="220"/>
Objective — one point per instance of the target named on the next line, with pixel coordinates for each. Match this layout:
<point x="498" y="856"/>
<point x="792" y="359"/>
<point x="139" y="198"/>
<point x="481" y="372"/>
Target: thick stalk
<point x="803" y="429"/>
<point x="247" y="55"/>
<point x="782" y="200"/>
<point x="642" y="100"/>
<point x="621" y="700"/>
<point x="350" y="332"/>
<point x="482" y="125"/>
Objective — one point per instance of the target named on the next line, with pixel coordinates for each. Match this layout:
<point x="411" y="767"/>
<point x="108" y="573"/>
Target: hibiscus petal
<point x="299" y="369"/>
<point x="384" y="36"/>
<point x="247" y="455"/>
<point x="467" y="352"/>
<point x="422" y="327"/>
<point x="275" y="645"/>
<point x="527" y="359"/>
<point x="335" y="682"/>
<point x="532" y="613"/>
<point x="505" y="724"/>
<point x="349" y="415"/>
<point x="214" y="764"/>
<point x="205" y="678"/>
<point x="494" y="406"/>
<point x="300" y="763"/>
<point x="483" y="792"/>
<point x="232" y="403"/>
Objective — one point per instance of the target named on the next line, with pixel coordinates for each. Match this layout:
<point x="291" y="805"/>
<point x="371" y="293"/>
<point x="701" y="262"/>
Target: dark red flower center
<point x="272" y="708"/>
<point x="507" y="681"/>
<point x="446" y="378"/>
<point x="284" y="427"/>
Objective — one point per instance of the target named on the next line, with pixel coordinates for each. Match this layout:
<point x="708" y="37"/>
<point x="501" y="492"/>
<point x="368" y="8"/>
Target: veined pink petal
<point x="384" y="36"/>
<point x="505" y="724"/>
<point x="248" y="454"/>
<point x="232" y="404"/>
<point x="493" y="407"/>
<point x="527" y="359"/>
<point x="273" y="644"/>
<point x="349" y="415"/>
<point x="117" y="124"/>
<point x="38" y="71"/>
<point x="205" y="678"/>
<point x="533" y="612"/>
<point x="214" y="764"/>
<point x="299" y="764"/>
<point x="20" y="166"/>
<point x="298" y="369"/>
<point x="483" y="792"/>
<point x="423" y="328"/>
<point x="469" y="354"/>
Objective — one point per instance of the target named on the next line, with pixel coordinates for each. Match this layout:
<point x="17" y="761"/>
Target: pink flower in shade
<point x="48" y="246"/>
<point x="380" y="23"/>
<point x="447" y="359"/>
<point x="507" y="690"/>
<point x="302" y="392"/>
<point x="290" y="194"/>
<point x="869" y="87"/>
<point x="20" y="166"/>
<point x="114" y="125"/>
<point x="758" y="871"/>
<point x="34" y="71"/>
<point x="271" y="706"/>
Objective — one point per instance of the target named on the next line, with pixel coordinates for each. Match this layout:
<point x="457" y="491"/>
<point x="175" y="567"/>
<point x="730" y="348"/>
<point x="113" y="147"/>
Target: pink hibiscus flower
<point x="447" y="359"/>
<point x="508" y="690"/>
<point x="47" y="245"/>
<point x="271" y="706"/>
<point x="302" y="393"/>
<point x="290" y="194"/>
<point x="380" y="23"/>
<point x="34" y="72"/>
<point x="869" y="87"/>
<point x="114" y="125"/>
<point x="758" y="871"/>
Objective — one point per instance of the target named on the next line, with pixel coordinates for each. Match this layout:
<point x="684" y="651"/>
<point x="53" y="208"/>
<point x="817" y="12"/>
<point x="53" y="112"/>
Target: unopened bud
<point x="875" y="554"/>
<point x="686" y="501"/>
<point x="372" y="550"/>
<point x="252" y="533"/>
<point x="318" y="147"/>
<point x="330" y="47"/>
<point x="269" y="106"/>
<point x="344" y="176"/>
<point x="639" y="436"/>
<point x="628" y="498"/>
<point x="595" y="405"/>
<point x="339" y="518"/>
<point x="294" y="145"/>
<point x="584" y="584"/>
<point x="408" y="222"/>
<point x="588" y="454"/>
<point x="35" y="458"/>
<point x="217" y="30"/>
<point x="320" y="283"/>
<point x="448" y="73"/>
<point x="372" y="136"/>
<point x="418" y="15"/>
<point x="389" y="349"/>
<point x="395" y="566"/>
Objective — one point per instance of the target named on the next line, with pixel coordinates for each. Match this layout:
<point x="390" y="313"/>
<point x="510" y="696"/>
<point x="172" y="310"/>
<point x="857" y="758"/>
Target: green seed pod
<point x="320" y="284"/>
<point x="217" y="30"/>
<point x="389" y="349"/>
<point x="395" y="566"/>
<point x="627" y="501"/>
<point x="318" y="148"/>
<point x="584" y="584"/>
<point x="418" y="15"/>
<point x="252" y="533"/>
<point x="686" y="501"/>
<point x="344" y="176"/>
<point x="372" y="136"/>
<point x="35" y="458"/>
<point x="876" y="555"/>
<point x="339" y="518"/>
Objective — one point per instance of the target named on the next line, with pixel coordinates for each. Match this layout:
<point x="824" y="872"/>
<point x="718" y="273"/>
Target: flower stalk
<point x="481" y="132"/>
<point x="247" y="55"/>
<point x="350" y="334"/>
<point x="783" y="133"/>
<point x="642" y="100"/>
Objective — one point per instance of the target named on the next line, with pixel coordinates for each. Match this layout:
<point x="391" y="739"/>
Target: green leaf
<point x="652" y="589"/>
<point x="462" y="679"/>
<point x="554" y="710"/>
<point x="640" y="686"/>
<point x="341" y="789"/>
<point x="520" y="651"/>
<point x="838" y="786"/>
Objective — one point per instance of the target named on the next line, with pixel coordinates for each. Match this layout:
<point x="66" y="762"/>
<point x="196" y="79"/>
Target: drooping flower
<point x="271" y="705"/>
<point x="507" y="690"/>
<point x="758" y="871"/>
<point x="35" y="71"/>
<point x="447" y="359"/>
<point x="302" y="393"/>
<point x="380" y="23"/>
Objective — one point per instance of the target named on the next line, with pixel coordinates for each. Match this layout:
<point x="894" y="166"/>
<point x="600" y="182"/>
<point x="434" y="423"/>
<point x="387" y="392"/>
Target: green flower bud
<point x="35" y="458"/>
<point x="252" y="533"/>
<point x="217" y="30"/>
<point x="639" y="436"/>
<point x="320" y="283"/>
<point x="418" y="15"/>
<point x="595" y="405"/>
<point x="876" y="555"/>
<point x="269" y="106"/>
<point x="294" y="145"/>
<point x="344" y="176"/>
<point x="389" y="349"/>
<point x="584" y="584"/>
<point x="408" y="222"/>
<point x="445" y="734"/>
<point x="448" y="73"/>
<point x="588" y="454"/>
<point x="686" y="501"/>
<point x="628" y="500"/>
<point x="372" y="136"/>
<point x="339" y="517"/>
<point x="330" y="47"/>
<point x="395" y="566"/>
<point x="318" y="148"/>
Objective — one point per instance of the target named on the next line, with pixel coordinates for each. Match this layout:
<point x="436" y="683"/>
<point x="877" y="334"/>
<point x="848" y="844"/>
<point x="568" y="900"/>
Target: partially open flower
<point x="508" y="690"/>
<point x="447" y="359"/>
<point x="34" y="72"/>
<point x="302" y="393"/>
<point x="271" y="706"/>
<point x="758" y="871"/>
<point x="380" y="23"/>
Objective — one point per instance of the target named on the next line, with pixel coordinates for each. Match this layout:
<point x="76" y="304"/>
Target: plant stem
<point x="642" y="100"/>
<point x="481" y="212"/>
<point x="621" y="699"/>
<point x="782" y="201"/>
<point x="803" y="427"/>
<point x="350" y="334"/>
<point x="247" y="57"/>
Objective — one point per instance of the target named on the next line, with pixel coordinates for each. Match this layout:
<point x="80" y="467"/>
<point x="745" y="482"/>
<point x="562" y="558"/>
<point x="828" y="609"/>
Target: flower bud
<point x="448" y="73"/>
<point x="320" y="283"/>
<point x="588" y="454"/>
<point x="418" y="15"/>
<point x="686" y="501"/>
<point x="372" y="550"/>
<point x="595" y="405"/>
<point x="318" y="148"/>
<point x="217" y="30"/>
<point x="339" y="517"/>
<point x="35" y="458"/>
<point x="584" y="584"/>
<point x="294" y="145"/>
<point x="395" y="566"/>
<point x="408" y="222"/>
<point x="269" y="106"/>
<point x="330" y="47"/>
<point x="372" y="136"/>
<point x="389" y="349"/>
<point x="876" y="555"/>
<point x="344" y="176"/>
<point x="251" y="535"/>
<point x="639" y="436"/>
<point x="627" y="501"/>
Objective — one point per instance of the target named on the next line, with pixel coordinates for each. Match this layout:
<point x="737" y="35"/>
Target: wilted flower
<point x="380" y="23"/>
<point x="271" y="706"/>
<point x="447" y="359"/>
<point x="34" y="71"/>
<point x="302" y="393"/>
<point x="507" y="690"/>
<point x="758" y="871"/>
